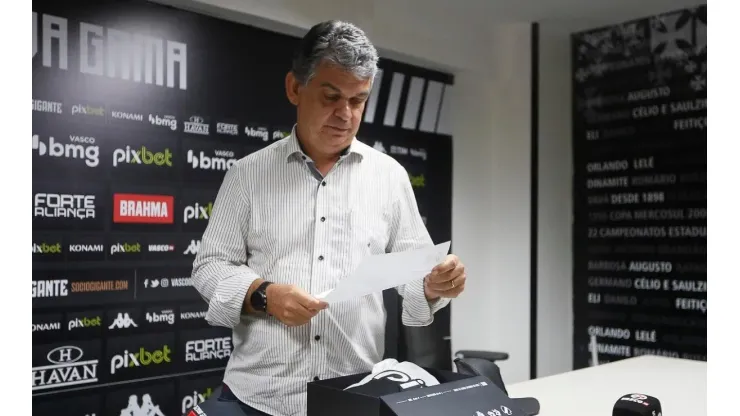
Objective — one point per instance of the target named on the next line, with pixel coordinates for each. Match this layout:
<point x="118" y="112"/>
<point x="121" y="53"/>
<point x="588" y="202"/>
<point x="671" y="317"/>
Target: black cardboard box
<point x="455" y="395"/>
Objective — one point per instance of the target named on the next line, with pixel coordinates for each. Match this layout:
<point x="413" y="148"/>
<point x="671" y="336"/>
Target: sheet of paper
<point x="384" y="271"/>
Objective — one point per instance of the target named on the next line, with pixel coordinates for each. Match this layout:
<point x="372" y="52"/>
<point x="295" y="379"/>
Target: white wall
<point x="490" y="124"/>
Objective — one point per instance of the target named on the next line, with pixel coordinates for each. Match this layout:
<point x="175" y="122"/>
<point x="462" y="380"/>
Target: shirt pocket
<point x="369" y="228"/>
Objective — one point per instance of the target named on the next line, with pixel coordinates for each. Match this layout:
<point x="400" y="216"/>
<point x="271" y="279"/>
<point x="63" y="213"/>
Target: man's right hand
<point x="292" y="305"/>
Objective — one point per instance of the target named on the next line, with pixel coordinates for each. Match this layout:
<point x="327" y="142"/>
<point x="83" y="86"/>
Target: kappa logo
<point x="147" y="407"/>
<point x="192" y="248"/>
<point x="379" y="147"/>
<point x="123" y="321"/>
<point x="196" y="125"/>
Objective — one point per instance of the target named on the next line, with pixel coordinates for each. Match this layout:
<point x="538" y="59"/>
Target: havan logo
<point x="66" y="369"/>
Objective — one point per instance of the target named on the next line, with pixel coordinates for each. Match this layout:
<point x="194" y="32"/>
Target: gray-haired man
<point x="296" y="217"/>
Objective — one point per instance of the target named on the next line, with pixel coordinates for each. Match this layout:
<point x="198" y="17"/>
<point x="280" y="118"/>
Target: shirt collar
<point x="293" y="147"/>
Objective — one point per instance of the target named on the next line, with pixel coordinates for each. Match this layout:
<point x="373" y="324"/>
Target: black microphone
<point x="637" y="404"/>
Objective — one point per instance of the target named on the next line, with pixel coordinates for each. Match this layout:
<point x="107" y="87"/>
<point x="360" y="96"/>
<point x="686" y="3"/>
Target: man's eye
<point x="332" y="97"/>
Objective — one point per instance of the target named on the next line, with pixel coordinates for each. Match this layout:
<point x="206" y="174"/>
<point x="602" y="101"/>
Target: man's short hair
<point x="340" y="43"/>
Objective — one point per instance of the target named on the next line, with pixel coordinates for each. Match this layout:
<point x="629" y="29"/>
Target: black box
<point x="456" y="394"/>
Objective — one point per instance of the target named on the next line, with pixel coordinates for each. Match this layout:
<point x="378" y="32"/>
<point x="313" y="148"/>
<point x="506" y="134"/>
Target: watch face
<point x="259" y="300"/>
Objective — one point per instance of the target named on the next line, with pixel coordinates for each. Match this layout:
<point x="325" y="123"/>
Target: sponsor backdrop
<point x="138" y="111"/>
<point x="640" y="284"/>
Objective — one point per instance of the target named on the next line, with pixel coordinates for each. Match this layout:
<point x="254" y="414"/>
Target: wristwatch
<point x="258" y="300"/>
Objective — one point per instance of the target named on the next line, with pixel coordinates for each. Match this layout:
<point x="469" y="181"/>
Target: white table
<point x="680" y="385"/>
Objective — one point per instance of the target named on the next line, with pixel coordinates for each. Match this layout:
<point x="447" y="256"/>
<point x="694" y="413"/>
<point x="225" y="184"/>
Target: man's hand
<point x="291" y="305"/>
<point x="447" y="279"/>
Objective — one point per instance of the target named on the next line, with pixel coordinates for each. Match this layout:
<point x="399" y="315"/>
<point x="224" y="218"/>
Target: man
<point x="293" y="219"/>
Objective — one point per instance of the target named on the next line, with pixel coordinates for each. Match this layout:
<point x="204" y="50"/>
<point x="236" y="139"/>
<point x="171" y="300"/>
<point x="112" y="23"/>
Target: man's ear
<point x="292" y="88"/>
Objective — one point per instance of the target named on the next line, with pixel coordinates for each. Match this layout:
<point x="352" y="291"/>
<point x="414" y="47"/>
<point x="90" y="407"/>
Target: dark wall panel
<point x="640" y="228"/>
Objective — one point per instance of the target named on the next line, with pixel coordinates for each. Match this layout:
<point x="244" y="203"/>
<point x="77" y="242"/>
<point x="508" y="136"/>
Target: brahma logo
<point x="143" y="209"/>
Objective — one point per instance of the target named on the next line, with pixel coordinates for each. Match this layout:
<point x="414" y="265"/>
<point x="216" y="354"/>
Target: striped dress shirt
<point x="276" y="217"/>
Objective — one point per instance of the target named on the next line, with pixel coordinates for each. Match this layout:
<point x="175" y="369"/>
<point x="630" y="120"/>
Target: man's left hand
<point x="446" y="279"/>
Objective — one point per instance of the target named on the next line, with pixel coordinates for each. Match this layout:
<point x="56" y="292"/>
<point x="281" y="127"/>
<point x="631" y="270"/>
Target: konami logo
<point x="143" y="209"/>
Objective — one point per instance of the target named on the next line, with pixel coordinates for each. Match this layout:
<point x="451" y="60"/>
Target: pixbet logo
<point x="142" y="156"/>
<point x="164" y="121"/>
<point x="258" y="133"/>
<point x="223" y="160"/>
<point x="196" y="398"/>
<point x="417" y="181"/>
<point x="64" y="206"/>
<point x="81" y="147"/>
<point x="125" y="248"/>
<point x="139" y="358"/>
<point x="85" y="322"/>
<point x="165" y="316"/>
<point x="44" y="248"/>
<point x="143" y="209"/>
<point x="88" y="110"/>
<point x="197" y="212"/>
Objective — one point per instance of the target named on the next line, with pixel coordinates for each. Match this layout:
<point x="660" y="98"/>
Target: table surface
<point x="680" y="385"/>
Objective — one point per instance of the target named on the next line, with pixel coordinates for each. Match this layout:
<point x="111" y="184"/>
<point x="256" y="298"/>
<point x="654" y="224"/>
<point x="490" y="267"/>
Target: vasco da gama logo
<point x="143" y="209"/>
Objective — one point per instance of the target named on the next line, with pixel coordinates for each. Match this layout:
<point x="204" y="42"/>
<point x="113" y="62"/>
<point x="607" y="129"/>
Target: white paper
<point x="384" y="271"/>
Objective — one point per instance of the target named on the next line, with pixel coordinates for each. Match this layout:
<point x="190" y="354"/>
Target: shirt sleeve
<point x="220" y="272"/>
<point x="408" y="232"/>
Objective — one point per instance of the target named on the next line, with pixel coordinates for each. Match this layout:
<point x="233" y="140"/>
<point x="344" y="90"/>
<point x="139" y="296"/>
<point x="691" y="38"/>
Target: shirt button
<point x="304" y="157"/>
<point x="321" y="257"/>
<point x="317" y="337"/>
<point x="323" y="183"/>
<point x="323" y="219"/>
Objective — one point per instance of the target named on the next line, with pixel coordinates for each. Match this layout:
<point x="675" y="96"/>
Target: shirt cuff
<point x="417" y="310"/>
<point x="227" y="303"/>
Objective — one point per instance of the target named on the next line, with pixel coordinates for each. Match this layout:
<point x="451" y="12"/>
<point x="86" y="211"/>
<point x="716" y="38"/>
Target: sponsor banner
<point x="197" y="125"/>
<point x="193" y="315"/>
<point x="61" y="150"/>
<point x="57" y="206"/>
<point x="47" y="248"/>
<point x="85" y="323"/>
<point x="58" y="288"/>
<point x="165" y="284"/>
<point x="123" y="320"/>
<point x="195" y="390"/>
<point x="144" y="157"/>
<point x="125" y="247"/>
<point x="47" y="106"/>
<point x="85" y="404"/>
<point x="192" y="248"/>
<point x="280" y="132"/>
<point x="82" y="247"/>
<point x="258" y="133"/>
<point x="142" y="399"/>
<point x="204" y="348"/>
<point x="168" y="246"/>
<point x="160" y="317"/>
<point x="196" y="207"/>
<point x="65" y="365"/>
<point x="131" y="208"/>
<point x="87" y="112"/>
<point x="228" y="128"/>
<point x="400" y="152"/>
<point x="164" y="121"/>
<point x="133" y="357"/>
<point x="208" y="160"/>
<point x="47" y="325"/>
<point x="129" y="117"/>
